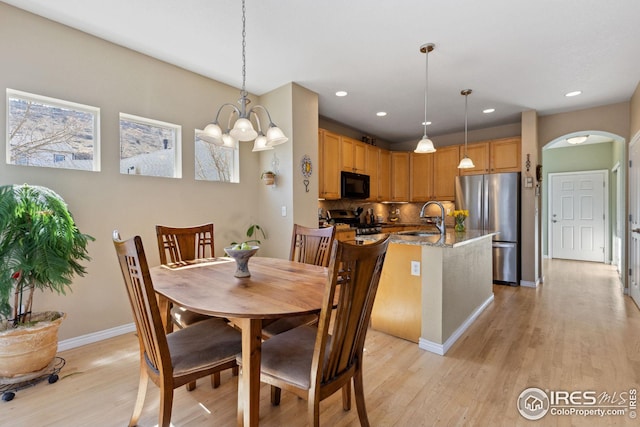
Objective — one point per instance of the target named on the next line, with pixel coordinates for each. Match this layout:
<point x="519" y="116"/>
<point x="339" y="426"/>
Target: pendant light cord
<point x="466" y="96"/>
<point x="426" y="89"/>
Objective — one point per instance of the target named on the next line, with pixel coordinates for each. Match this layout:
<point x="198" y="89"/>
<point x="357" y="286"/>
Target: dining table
<point x="276" y="288"/>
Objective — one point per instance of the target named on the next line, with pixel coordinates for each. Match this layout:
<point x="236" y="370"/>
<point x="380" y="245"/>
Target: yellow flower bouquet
<point x="459" y="216"/>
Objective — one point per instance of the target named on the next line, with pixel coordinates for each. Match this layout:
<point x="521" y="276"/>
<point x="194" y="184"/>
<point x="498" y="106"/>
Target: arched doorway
<point x="597" y="150"/>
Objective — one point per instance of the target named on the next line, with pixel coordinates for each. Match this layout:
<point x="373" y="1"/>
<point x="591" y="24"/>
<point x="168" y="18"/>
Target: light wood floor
<point x="575" y="332"/>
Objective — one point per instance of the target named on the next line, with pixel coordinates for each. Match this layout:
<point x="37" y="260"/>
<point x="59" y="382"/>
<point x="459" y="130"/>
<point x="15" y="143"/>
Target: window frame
<point x="177" y="143"/>
<point x="53" y="103"/>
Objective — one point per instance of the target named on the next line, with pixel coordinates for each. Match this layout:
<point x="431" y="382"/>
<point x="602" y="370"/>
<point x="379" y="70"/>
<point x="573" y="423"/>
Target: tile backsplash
<point x="407" y="212"/>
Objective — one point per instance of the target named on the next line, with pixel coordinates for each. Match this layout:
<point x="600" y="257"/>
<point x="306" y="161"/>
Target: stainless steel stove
<point x="342" y="216"/>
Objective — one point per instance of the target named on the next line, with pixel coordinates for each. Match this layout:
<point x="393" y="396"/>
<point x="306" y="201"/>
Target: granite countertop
<point x="451" y="239"/>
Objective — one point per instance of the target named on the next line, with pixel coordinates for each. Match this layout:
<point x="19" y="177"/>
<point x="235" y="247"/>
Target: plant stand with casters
<point x="9" y="386"/>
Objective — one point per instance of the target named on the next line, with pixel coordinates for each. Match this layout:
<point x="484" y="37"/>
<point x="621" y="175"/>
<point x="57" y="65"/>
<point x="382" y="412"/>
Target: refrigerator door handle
<point x="503" y="245"/>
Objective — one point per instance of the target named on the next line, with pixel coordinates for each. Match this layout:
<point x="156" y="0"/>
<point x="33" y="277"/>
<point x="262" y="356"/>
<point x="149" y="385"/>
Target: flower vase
<point x="242" y="257"/>
<point x="459" y="227"/>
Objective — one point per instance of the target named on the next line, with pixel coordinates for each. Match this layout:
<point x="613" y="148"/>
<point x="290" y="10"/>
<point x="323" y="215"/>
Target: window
<point x="216" y="163"/>
<point x="49" y="132"/>
<point x="149" y="147"/>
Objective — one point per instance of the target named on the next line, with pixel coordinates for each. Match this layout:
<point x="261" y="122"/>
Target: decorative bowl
<point x="242" y="259"/>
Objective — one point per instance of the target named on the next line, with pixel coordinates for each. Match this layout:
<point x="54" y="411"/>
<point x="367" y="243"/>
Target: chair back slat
<point x="311" y="245"/>
<point x="356" y="269"/>
<point x="185" y="243"/>
<point x="146" y="314"/>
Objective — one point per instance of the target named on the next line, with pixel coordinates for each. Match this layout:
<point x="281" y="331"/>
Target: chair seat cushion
<point x="208" y="343"/>
<point x="285" y="323"/>
<point x="183" y="317"/>
<point x="288" y="355"/>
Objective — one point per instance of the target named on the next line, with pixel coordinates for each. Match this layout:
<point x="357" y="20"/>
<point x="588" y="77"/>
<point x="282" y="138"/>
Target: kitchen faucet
<point x="439" y="221"/>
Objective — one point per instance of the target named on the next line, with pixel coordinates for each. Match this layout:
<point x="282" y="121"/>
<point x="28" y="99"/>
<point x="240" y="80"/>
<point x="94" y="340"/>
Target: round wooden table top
<point x="276" y="287"/>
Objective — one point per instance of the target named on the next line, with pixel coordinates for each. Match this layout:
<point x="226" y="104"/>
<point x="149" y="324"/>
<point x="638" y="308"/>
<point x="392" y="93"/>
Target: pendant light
<point x="242" y="129"/>
<point x="466" y="162"/>
<point x="425" y="145"/>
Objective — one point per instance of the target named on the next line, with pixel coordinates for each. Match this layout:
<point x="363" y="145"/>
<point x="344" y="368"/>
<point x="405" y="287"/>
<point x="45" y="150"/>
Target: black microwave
<point x="354" y="185"/>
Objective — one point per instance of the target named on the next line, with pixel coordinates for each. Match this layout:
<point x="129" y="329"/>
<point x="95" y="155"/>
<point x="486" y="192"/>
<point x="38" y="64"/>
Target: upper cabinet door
<point x="505" y="155"/>
<point x="479" y="154"/>
<point x="354" y="155"/>
<point x="372" y="160"/>
<point x="445" y="170"/>
<point x="399" y="176"/>
<point x="329" y="154"/>
<point x="384" y="175"/>
<point x="421" y="167"/>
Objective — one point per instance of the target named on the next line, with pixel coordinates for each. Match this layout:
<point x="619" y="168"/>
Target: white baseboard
<point x="95" y="337"/>
<point x="441" y="349"/>
<point x="529" y="284"/>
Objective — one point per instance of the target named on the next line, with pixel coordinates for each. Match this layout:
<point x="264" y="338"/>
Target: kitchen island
<point x="433" y="287"/>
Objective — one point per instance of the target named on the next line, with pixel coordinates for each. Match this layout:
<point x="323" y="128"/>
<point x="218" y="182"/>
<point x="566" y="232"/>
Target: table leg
<point x="249" y="390"/>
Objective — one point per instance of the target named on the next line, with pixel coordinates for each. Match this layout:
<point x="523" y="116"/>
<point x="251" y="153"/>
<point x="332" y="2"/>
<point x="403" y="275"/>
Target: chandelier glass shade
<point x="466" y="162"/>
<point x="425" y="145"/>
<point x="240" y="126"/>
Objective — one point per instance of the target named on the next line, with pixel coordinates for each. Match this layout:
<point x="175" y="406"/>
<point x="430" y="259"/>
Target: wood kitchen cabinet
<point x="329" y="165"/>
<point x="353" y="155"/>
<point x="433" y="175"/>
<point x="399" y="176"/>
<point x="421" y="173"/>
<point x="345" y="235"/>
<point x="372" y="169"/>
<point x="493" y="156"/>
<point x="445" y="170"/>
<point x="384" y="175"/>
<point x="505" y="155"/>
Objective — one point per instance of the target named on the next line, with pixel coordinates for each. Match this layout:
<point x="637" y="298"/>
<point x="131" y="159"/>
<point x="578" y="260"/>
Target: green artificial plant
<point x="40" y="247"/>
<point x="251" y="231"/>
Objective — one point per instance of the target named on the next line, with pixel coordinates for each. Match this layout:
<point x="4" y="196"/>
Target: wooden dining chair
<point x="315" y="362"/>
<point x="310" y="246"/>
<point x="184" y="245"/>
<point x="181" y="245"/>
<point x="170" y="360"/>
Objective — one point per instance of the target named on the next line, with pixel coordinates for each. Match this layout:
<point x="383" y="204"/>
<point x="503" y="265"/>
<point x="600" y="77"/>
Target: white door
<point x="577" y="214"/>
<point x="634" y="214"/>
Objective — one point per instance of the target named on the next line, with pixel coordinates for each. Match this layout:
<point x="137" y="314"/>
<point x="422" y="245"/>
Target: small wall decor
<point x="306" y="168"/>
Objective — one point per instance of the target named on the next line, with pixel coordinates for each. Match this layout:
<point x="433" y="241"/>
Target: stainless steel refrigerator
<point x="493" y="202"/>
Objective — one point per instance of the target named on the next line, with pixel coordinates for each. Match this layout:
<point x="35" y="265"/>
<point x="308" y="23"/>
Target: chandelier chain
<point x="244" y="46"/>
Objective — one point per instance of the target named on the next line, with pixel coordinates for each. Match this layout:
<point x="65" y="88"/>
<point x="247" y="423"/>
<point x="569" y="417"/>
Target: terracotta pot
<point x="28" y="349"/>
<point x="269" y="178"/>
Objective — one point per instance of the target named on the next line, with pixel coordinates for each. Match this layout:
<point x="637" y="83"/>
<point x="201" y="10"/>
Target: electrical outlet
<point x="415" y="268"/>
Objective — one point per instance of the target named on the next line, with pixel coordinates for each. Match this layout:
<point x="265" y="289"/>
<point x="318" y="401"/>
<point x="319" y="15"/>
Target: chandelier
<point x="425" y="145"/>
<point x="242" y="129"/>
<point x="466" y="162"/>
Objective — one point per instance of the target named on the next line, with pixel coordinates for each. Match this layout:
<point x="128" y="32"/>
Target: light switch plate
<point x="415" y="268"/>
<point x="284" y="211"/>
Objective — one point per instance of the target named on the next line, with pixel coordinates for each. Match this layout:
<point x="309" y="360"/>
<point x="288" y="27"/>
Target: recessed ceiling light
<point x="489" y="110"/>
<point x="341" y="93"/>
<point x="574" y="93"/>
<point x="381" y="113"/>
<point x="426" y="123"/>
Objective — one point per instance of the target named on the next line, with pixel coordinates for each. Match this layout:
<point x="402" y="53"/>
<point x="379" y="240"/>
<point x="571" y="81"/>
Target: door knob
<point x="636" y="230"/>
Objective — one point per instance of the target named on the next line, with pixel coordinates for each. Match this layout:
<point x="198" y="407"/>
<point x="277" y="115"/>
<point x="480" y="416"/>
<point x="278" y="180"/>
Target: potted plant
<point x="40" y="248"/>
<point x="268" y="177"/>
<point x="242" y="251"/>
